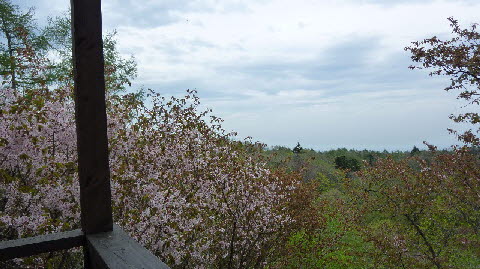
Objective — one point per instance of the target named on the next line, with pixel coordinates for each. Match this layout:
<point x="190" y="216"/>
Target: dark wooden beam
<point x="90" y="115"/>
<point x="117" y="250"/>
<point x="40" y="244"/>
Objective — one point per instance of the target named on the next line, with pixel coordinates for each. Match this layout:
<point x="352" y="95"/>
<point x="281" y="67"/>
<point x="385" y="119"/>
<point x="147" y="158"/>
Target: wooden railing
<point x="105" y="245"/>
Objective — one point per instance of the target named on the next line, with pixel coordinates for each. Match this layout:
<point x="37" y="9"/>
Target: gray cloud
<point x="341" y="95"/>
<point x="154" y="13"/>
<point x="142" y="13"/>
<point x="344" y="70"/>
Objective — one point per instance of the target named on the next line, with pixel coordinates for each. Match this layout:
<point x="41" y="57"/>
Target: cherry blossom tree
<point x="181" y="185"/>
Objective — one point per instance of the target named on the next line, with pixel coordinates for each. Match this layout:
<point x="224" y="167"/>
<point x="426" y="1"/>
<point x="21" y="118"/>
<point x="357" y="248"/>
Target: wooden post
<point x="91" y="118"/>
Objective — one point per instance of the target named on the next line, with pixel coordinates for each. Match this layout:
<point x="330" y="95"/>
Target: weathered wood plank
<point x="40" y="244"/>
<point x="117" y="250"/>
<point x="90" y="115"/>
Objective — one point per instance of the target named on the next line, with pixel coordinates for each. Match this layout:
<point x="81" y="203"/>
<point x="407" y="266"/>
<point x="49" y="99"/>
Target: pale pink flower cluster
<point x="37" y="159"/>
<point x="181" y="186"/>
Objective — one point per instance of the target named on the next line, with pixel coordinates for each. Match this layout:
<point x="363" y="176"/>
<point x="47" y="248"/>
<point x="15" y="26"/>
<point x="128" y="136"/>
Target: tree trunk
<point x="8" y="36"/>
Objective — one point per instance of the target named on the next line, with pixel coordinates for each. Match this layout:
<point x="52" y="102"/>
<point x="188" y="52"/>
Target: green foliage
<point x="324" y="184"/>
<point x="297" y="149"/>
<point x="119" y="71"/>
<point x="311" y="163"/>
<point x="420" y="214"/>
<point x="18" y="65"/>
<point x="414" y="151"/>
<point x="349" y="164"/>
<point x="333" y="243"/>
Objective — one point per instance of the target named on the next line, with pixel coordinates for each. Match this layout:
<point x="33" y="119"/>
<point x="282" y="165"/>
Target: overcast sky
<point x="324" y="73"/>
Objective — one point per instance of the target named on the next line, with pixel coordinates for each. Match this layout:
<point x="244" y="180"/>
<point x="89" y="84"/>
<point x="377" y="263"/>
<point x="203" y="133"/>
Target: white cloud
<point x="328" y="73"/>
<point x="283" y="30"/>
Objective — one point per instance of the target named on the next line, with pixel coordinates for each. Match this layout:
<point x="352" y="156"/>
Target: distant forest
<point x="336" y="163"/>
